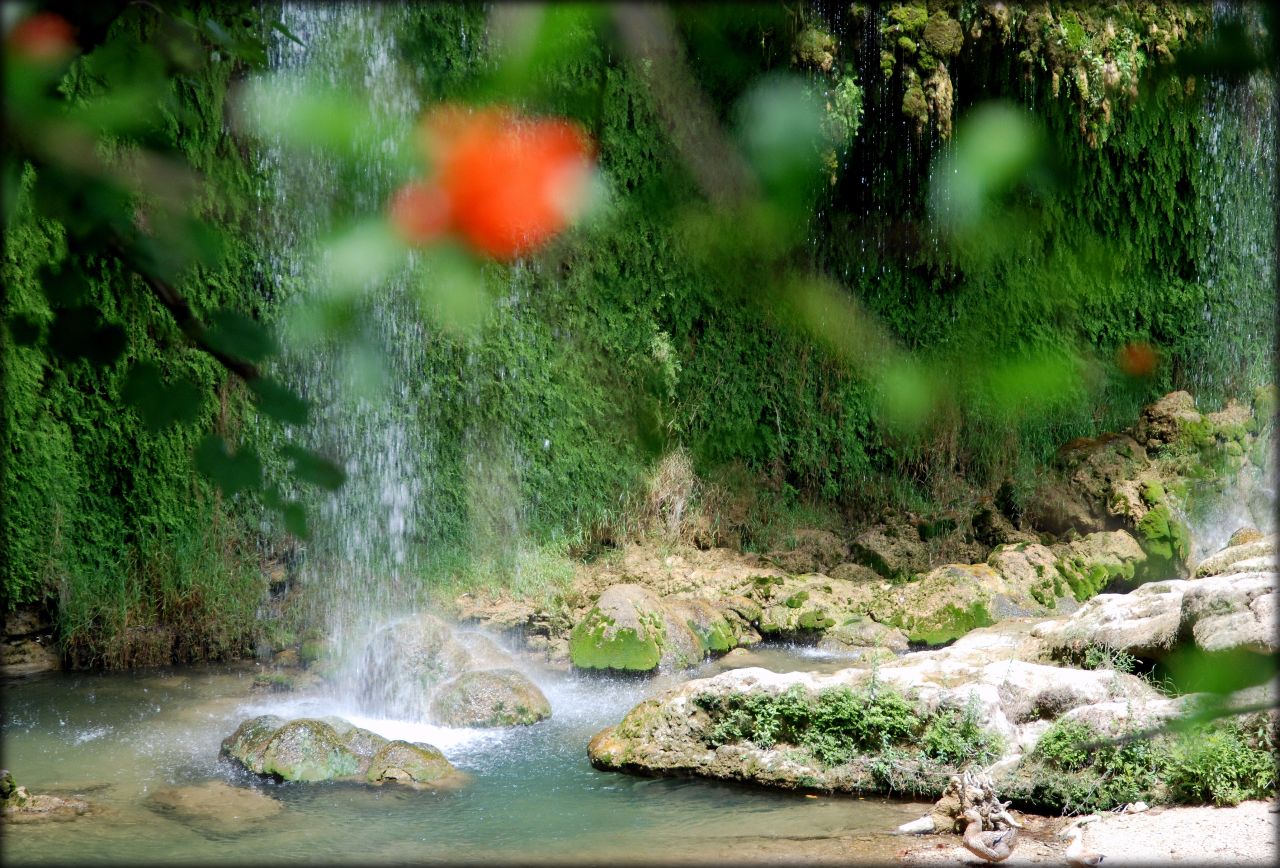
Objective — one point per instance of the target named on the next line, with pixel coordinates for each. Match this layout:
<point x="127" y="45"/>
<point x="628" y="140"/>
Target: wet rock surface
<point x="489" y="698"/>
<point x="310" y="749"/>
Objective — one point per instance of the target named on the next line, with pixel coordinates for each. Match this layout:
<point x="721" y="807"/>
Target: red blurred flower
<point x="509" y="183"/>
<point x="44" y="37"/>
<point x="1137" y="359"/>
<point x="420" y="212"/>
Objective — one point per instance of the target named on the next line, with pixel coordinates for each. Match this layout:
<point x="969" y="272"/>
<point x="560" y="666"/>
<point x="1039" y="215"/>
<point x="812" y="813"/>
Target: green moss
<point x="796" y="600"/>
<point x="1153" y="493"/>
<point x="907" y="44"/>
<point x="625" y="650"/>
<point x="951" y="622"/>
<point x="909" y="17"/>
<point x="1166" y="541"/>
<point x="943" y="34"/>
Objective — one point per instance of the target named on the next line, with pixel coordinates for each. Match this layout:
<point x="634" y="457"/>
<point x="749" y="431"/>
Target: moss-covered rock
<point x="306" y="750"/>
<point x="311" y="750"/>
<point x="1167" y="543"/>
<point x="943" y="34"/>
<point x="410" y="658"/>
<point x="410" y="763"/>
<point x="496" y="697"/>
<point x="1097" y="560"/>
<point x="625" y="630"/>
<point x="815" y="47"/>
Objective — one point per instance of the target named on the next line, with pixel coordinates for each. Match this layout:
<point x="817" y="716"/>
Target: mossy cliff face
<point x="1097" y="53"/>
<point x="104" y="517"/>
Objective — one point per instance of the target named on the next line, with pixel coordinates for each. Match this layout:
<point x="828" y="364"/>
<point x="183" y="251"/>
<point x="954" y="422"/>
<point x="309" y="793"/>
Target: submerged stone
<point x="496" y="697"/>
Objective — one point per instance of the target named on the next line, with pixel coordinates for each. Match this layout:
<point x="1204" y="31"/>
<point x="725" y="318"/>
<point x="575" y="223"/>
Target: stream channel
<point x="122" y="740"/>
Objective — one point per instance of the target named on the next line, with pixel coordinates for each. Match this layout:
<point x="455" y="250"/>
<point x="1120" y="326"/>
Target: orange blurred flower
<point x="419" y="212"/>
<point x="44" y="37"/>
<point x="1137" y="359"/>
<point x="509" y="183"/>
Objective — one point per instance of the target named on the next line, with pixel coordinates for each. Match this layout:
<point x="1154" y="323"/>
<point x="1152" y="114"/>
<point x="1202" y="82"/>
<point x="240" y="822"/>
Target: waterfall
<point x="367" y="408"/>
<point x="1236" y="197"/>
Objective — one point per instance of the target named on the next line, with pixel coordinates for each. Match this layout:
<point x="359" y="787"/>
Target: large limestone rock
<point x="310" y="749"/>
<point x="490" y="698"/>
<point x="1233" y="611"/>
<point x="1253" y="555"/>
<point x="683" y="731"/>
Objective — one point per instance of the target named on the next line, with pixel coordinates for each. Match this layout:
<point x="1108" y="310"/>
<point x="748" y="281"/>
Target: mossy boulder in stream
<point x="310" y="749"/>
<point x="409" y="763"/>
<point x="494" y="697"/>
<point x="625" y="630"/>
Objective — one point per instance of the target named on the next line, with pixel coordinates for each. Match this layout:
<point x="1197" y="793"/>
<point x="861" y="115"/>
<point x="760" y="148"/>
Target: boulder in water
<point x="306" y="749"/>
<point x="625" y="630"/>
<point x="494" y="697"/>
<point x="406" y="660"/>
<point x="215" y="806"/>
<point x="410" y="763"/>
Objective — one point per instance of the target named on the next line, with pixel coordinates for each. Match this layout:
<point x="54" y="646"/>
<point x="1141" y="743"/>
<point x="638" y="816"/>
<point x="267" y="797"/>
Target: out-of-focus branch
<point x="176" y="303"/>
<point x="655" y="52"/>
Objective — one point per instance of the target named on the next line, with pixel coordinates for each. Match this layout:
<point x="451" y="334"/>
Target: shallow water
<point x="119" y="739"/>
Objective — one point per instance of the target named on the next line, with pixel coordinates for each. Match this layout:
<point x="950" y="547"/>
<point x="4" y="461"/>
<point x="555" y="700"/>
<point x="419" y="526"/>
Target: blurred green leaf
<point x="361" y="256"/>
<point x="159" y="404"/>
<point x="312" y="467"/>
<point x="906" y="395"/>
<point x="286" y="33"/>
<point x="80" y="333"/>
<point x="1032" y="384"/>
<point x="305" y="115"/>
<point x="450" y="286"/>
<point x="279" y="401"/>
<point x="295" y="519"/>
<point x="231" y="473"/>
<point x="995" y="146"/>
<point x="237" y="335"/>
<point x="780" y="124"/>
<point x="1193" y="670"/>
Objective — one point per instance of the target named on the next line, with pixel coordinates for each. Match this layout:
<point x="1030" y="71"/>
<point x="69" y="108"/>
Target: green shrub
<point x="1220" y="766"/>
<point x="957" y="737"/>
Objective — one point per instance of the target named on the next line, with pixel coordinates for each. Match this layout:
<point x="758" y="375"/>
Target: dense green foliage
<point x="838" y="725"/>
<point x="1224" y="762"/>
<point x="102" y="512"/>
<point x="648" y="329"/>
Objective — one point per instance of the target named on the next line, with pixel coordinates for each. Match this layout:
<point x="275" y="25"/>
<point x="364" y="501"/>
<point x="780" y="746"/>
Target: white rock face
<point x="1230" y="605"/>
